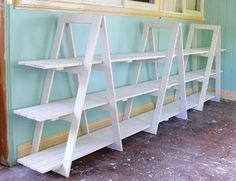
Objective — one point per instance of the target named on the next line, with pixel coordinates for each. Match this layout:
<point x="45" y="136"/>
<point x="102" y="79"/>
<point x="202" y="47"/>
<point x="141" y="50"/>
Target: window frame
<point x="193" y="12"/>
<point x="111" y="8"/>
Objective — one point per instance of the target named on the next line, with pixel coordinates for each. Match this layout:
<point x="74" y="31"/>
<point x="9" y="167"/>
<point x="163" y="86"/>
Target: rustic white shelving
<point x="60" y="157"/>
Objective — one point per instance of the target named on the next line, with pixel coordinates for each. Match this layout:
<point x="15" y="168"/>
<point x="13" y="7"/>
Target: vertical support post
<point x="215" y="39"/>
<point x="195" y="87"/>
<point x="152" y="48"/>
<point x="48" y="85"/>
<point x="164" y="82"/>
<point x="72" y="52"/>
<point x="181" y="73"/>
<point x="80" y="97"/>
<point x="137" y="69"/>
<point x="189" y="44"/>
<point x="84" y="123"/>
<point x="218" y="70"/>
<point x="154" y="64"/>
<point x="117" y="145"/>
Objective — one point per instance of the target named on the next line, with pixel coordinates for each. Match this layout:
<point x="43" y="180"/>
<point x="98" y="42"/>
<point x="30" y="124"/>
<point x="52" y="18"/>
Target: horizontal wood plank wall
<point x="3" y="116"/>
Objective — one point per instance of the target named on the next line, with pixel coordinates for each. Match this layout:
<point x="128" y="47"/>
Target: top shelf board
<point x="60" y="64"/>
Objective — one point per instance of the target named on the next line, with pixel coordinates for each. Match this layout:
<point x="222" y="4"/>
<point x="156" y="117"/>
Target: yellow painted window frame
<point x="76" y="5"/>
<point x="193" y="12"/>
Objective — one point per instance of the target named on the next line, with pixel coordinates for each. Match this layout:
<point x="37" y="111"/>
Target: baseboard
<point x="52" y="140"/>
<point x="228" y="95"/>
<point x="225" y="94"/>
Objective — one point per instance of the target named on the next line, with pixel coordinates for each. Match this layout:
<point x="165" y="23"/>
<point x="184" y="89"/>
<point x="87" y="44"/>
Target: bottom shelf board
<point x="193" y="100"/>
<point x="52" y="158"/>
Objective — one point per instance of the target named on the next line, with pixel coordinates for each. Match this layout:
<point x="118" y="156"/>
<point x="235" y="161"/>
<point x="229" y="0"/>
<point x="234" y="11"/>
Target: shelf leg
<point x="48" y="85"/>
<point x="218" y="71"/>
<point x="84" y="123"/>
<point x="37" y="136"/>
<point x="212" y="52"/>
<point x="137" y="68"/>
<point x="164" y="82"/>
<point x="70" y="145"/>
<point x="117" y="145"/>
<point x="181" y="72"/>
<point x="80" y="97"/>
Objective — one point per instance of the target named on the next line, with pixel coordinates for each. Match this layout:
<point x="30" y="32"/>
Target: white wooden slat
<point x="51" y="159"/>
<point x="55" y="110"/>
<point x="135" y="90"/>
<point x="137" y="56"/>
<point x="193" y="100"/>
<point x="73" y="62"/>
<point x="55" y="63"/>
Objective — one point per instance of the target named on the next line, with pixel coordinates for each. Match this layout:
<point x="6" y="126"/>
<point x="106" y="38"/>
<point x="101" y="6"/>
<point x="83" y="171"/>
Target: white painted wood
<point x="51" y="158"/>
<point x="55" y="110"/>
<point x="60" y="64"/>
<point x="165" y="77"/>
<point x="212" y="52"/>
<point x="84" y="123"/>
<point x="181" y="75"/>
<point x="72" y="53"/>
<point x="59" y="158"/>
<point x="82" y="89"/>
<point x="111" y="95"/>
<point x="218" y="69"/>
<point x="47" y="86"/>
<point x="137" y="69"/>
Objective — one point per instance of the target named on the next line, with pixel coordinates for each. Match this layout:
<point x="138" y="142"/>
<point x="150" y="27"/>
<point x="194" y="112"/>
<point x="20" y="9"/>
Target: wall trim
<point x="228" y="95"/>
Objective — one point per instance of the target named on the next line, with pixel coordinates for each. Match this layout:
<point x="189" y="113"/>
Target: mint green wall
<point x="223" y="13"/>
<point x="30" y="36"/>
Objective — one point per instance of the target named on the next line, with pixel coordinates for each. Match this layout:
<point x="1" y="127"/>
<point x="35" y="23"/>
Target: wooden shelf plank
<point x="55" y="110"/>
<point x="51" y="159"/>
<point x="58" y="109"/>
<point x="60" y="64"/>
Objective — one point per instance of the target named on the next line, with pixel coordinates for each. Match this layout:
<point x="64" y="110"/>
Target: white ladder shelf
<point x="73" y="110"/>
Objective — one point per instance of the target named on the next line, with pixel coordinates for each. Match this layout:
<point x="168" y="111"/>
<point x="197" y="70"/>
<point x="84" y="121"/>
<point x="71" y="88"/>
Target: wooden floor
<point x="201" y="148"/>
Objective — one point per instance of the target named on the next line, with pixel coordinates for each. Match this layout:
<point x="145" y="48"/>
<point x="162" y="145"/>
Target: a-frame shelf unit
<point x="210" y="71"/>
<point x="73" y="110"/>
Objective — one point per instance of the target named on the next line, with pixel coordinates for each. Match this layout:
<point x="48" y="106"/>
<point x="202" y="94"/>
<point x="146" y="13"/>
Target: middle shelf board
<point x="60" y="64"/>
<point x="52" y="158"/>
<point x="55" y="110"/>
